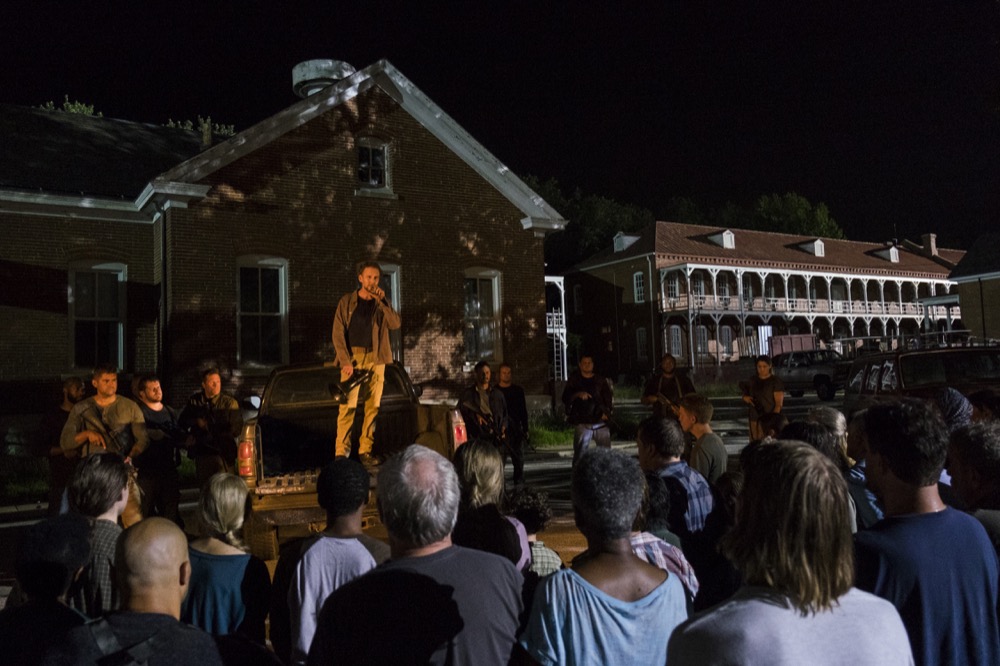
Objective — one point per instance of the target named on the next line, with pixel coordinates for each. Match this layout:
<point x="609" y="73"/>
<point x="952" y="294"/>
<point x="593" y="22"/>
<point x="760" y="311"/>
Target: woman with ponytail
<point x="229" y="589"/>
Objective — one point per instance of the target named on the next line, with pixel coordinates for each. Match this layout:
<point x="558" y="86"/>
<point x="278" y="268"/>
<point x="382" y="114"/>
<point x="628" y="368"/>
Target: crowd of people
<point x="870" y="540"/>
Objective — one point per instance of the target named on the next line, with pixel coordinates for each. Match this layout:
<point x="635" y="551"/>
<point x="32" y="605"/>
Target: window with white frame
<point x="748" y="288"/>
<point x="373" y="163"/>
<point x="701" y="340"/>
<point x="638" y="287"/>
<point x="263" y="311"/>
<point x="389" y="283"/>
<point x="673" y="286"/>
<point x="97" y="313"/>
<point x="641" y="342"/>
<point x="482" y="315"/>
<point x="697" y="285"/>
<point x="676" y="341"/>
<point x="726" y="340"/>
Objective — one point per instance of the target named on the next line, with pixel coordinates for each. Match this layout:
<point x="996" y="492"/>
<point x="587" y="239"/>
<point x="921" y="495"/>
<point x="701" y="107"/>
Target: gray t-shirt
<point x="708" y="456"/>
<point x="759" y="626"/>
<point x="456" y="606"/>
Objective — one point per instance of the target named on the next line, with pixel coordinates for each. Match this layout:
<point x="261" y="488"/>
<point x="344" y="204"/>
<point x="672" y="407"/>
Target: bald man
<point x="153" y="572"/>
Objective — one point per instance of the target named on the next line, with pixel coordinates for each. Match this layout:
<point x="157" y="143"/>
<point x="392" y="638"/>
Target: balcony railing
<point x="796" y="306"/>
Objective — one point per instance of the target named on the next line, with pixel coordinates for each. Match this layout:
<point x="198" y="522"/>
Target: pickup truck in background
<point x="820" y="370"/>
<point x="291" y="438"/>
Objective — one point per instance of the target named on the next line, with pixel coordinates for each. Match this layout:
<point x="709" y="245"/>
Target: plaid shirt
<point x="670" y="558"/>
<point x="699" y="494"/>
<point x="544" y="560"/>
<point x="95" y="593"/>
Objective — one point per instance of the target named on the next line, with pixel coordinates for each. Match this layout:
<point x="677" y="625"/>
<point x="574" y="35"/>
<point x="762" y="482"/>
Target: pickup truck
<point x="284" y="446"/>
<point x="822" y="370"/>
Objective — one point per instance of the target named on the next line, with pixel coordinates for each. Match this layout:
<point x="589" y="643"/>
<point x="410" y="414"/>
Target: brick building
<point x="709" y="295"/>
<point x="150" y="247"/>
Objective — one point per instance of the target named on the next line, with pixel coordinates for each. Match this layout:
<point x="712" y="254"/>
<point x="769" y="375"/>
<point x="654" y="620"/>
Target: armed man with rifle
<point x="215" y="421"/>
<point x="107" y="421"/>
<point x="665" y="389"/>
<point x="484" y="408"/>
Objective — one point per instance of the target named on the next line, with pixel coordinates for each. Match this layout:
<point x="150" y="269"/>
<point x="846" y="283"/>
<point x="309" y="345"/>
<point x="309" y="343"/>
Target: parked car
<point x="920" y="373"/>
<point x="291" y="437"/>
<point x="821" y="370"/>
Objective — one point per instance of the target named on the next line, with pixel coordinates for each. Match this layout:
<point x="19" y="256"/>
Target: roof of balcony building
<point x="675" y="244"/>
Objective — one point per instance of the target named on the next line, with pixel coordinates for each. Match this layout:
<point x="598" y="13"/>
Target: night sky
<point x="889" y="112"/>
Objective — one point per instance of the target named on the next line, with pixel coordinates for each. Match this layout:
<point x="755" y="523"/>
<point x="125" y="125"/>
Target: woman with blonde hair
<point x="481" y="525"/>
<point x="229" y="589"/>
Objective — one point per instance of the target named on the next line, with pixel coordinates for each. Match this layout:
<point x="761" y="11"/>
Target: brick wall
<point x="295" y="199"/>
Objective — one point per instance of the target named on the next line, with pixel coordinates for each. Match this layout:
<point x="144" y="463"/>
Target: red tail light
<point x="461" y="436"/>
<point x="244" y="460"/>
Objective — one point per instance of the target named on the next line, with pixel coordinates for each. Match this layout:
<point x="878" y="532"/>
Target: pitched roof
<point x="538" y="214"/>
<point x="982" y="259"/>
<point x="68" y="153"/>
<point x="674" y="243"/>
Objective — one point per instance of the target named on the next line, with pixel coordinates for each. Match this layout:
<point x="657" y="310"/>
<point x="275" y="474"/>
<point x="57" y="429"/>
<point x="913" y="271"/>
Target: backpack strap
<point x="113" y="654"/>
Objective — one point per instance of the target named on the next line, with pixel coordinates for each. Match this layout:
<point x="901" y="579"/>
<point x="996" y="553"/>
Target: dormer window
<point x="891" y="253"/>
<point x="814" y="247"/>
<point x="623" y="241"/>
<point x="724" y="239"/>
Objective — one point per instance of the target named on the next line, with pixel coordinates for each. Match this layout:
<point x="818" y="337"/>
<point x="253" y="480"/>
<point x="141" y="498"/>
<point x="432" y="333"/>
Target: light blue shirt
<point x="573" y="622"/>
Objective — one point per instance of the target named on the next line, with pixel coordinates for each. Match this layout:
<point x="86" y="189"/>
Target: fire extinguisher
<point x="244" y="460"/>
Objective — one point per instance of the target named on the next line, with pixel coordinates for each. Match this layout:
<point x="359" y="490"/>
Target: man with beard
<point x="158" y="477"/>
<point x="214" y="419"/>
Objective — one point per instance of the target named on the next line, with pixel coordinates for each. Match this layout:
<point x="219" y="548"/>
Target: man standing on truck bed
<point x="361" y="328"/>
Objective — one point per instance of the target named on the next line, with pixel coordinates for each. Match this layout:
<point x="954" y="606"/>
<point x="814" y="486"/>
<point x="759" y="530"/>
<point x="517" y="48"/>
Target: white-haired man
<point x="435" y="602"/>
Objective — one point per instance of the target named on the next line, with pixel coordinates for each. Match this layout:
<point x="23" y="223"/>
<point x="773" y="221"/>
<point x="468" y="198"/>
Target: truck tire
<point x="826" y="391"/>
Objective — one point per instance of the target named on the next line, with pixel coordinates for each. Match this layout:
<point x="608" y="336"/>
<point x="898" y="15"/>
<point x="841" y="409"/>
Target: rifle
<point x="487" y="426"/>
<point x="668" y="403"/>
<point x="745" y="388"/>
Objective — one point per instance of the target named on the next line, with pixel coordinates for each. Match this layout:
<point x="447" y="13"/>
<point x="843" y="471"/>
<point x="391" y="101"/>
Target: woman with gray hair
<point x="229" y="589"/>
<point x="610" y="607"/>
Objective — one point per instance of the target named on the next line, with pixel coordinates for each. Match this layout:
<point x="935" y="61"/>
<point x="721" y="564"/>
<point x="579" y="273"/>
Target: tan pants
<point x="361" y="360"/>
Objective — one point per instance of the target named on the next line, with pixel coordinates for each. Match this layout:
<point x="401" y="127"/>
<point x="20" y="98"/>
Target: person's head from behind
<point x="152" y="567"/>
<point x="660" y="440"/>
<point x="480" y="474"/>
<point x="773" y="423"/>
<point x="985" y="405"/>
<point x="52" y="553"/>
<point x="695" y="409"/>
<point x="222" y="508"/>
<point x="729" y="489"/>
<point x="531" y="506"/>
<point x="418" y="497"/>
<point x="657" y="504"/>
<point x="857" y="438"/>
<point x="607" y="489"/>
<point x="99" y="484"/>
<point x="834" y="420"/>
<point x="817" y="436"/>
<point x="906" y="440"/>
<point x="342" y="487"/>
<point x="974" y="464"/>
<point x="792" y="530"/>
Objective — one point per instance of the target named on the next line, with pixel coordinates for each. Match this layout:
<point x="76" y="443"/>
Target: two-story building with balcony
<point x="710" y="296"/>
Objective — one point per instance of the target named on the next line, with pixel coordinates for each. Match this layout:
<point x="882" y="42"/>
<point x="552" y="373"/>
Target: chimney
<point x="206" y="133"/>
<point x="930" y="244"/>
<point x="311" y="76"/>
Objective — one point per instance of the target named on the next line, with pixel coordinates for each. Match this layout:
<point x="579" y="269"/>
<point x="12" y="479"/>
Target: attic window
<point x="891" y="253"/>
<point x="815" y="247"/>
<point x="725" y="239"/>
<point x="622" y="241"/>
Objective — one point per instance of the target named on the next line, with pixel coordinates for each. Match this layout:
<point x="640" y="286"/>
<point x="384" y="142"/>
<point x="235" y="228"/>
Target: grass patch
<point x="547" y="431"/>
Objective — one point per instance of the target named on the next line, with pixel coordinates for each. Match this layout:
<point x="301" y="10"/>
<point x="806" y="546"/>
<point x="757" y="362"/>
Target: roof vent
<point x="724" y="239"/>
<point x="311" y="76"/>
